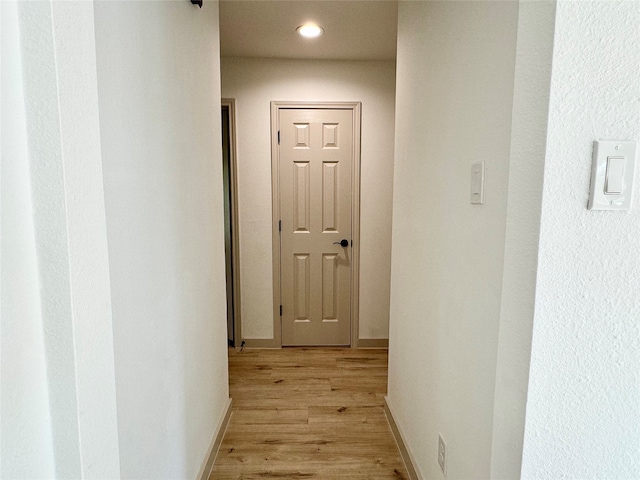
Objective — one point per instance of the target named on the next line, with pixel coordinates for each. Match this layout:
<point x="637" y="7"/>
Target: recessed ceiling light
<point x="310" y="30"/>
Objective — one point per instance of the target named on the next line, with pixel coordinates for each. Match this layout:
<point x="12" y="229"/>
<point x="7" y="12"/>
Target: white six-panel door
<point x="315" y="189"/>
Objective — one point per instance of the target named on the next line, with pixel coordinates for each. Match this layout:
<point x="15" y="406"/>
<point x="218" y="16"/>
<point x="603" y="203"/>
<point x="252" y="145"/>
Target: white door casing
<point x="316" y="204"/>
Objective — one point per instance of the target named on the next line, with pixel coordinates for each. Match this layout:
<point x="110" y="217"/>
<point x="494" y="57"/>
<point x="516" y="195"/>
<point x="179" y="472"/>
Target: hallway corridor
<point x="308" y="413"/>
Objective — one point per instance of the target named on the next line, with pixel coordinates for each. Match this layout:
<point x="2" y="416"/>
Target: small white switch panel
<point x="477" y="183"/>
<point x="612" y="175"/>
<point x="442" y="454"/>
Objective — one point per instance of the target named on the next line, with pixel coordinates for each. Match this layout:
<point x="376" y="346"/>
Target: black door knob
<point x="343" y="243"/>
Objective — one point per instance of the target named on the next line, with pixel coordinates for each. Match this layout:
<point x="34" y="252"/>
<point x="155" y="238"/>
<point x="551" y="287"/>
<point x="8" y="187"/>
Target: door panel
<point x="301" y="282"/>
<point x="301" y="196"/>
<point x="315" y="178"/>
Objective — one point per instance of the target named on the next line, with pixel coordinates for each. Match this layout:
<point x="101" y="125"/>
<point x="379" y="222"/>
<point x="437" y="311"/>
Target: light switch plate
<point x="477" y="183"/>
<point x="612" y="170"/>
<point x="442" y="454"/>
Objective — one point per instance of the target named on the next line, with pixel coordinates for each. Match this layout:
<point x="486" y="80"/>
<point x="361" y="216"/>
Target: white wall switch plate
<point x="442" y="454"/>
<point x="477" y="183"/>
<point x="612" y="174"/>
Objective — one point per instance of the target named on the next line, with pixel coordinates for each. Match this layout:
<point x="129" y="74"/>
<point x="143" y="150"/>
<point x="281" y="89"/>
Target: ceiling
<point x="354" y="29"/>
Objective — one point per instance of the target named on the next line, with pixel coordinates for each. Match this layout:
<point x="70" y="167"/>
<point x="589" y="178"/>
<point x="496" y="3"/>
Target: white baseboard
<point x="260" y="343"/>
<point x="268" y="343"/>
<point x="404" y="451"/>
<point x="373" y="343"/>
<point x="212" y="452"/>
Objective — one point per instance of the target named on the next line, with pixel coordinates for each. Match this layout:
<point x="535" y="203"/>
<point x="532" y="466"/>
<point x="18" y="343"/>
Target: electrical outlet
<point x="442" y="454"/>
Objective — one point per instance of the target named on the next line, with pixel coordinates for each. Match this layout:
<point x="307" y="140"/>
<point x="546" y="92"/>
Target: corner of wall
<point x="526" y="171"/>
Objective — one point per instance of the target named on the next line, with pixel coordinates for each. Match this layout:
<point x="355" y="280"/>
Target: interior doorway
<point x="316" y="176"/>
<point x="231" y="243"/>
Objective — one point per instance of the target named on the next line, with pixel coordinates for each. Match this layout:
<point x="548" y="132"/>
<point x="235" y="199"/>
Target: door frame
<point x="230" y="104"/>
<point x="356" y="108"/>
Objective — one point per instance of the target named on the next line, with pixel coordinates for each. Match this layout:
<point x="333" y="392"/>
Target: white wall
<point x="254" y="83"/>
<point x="159" y="92"/>
<point x="526" y="170"/>
<point x="584" y="391"/>
<point x="164" y="262"/>
<point x="26" y="443"/>
<point x="454" y="101"/>
<point x="57" y="53"/>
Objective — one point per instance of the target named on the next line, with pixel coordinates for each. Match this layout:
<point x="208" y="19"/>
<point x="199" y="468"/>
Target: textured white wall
<point x="61" y="110"/>
<point x="26" y="445"/>
<point x="455" y="82"/>
<point x="43" y="135"/>
<point x="90" y="292"/>
<point x="254" y="83"/>
<point x="159" y="92"/>
<point x="584" y="391"/>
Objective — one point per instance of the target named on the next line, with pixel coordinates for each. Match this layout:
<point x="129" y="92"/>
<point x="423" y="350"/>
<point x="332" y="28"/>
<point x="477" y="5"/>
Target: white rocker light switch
<point x="612" y="175"/>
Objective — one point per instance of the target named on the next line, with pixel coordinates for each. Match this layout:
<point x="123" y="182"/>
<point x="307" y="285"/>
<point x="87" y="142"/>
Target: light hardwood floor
<point x="308" y="413"/>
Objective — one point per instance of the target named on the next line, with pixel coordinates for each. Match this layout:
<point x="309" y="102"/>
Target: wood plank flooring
<point x="308" y="413"/>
